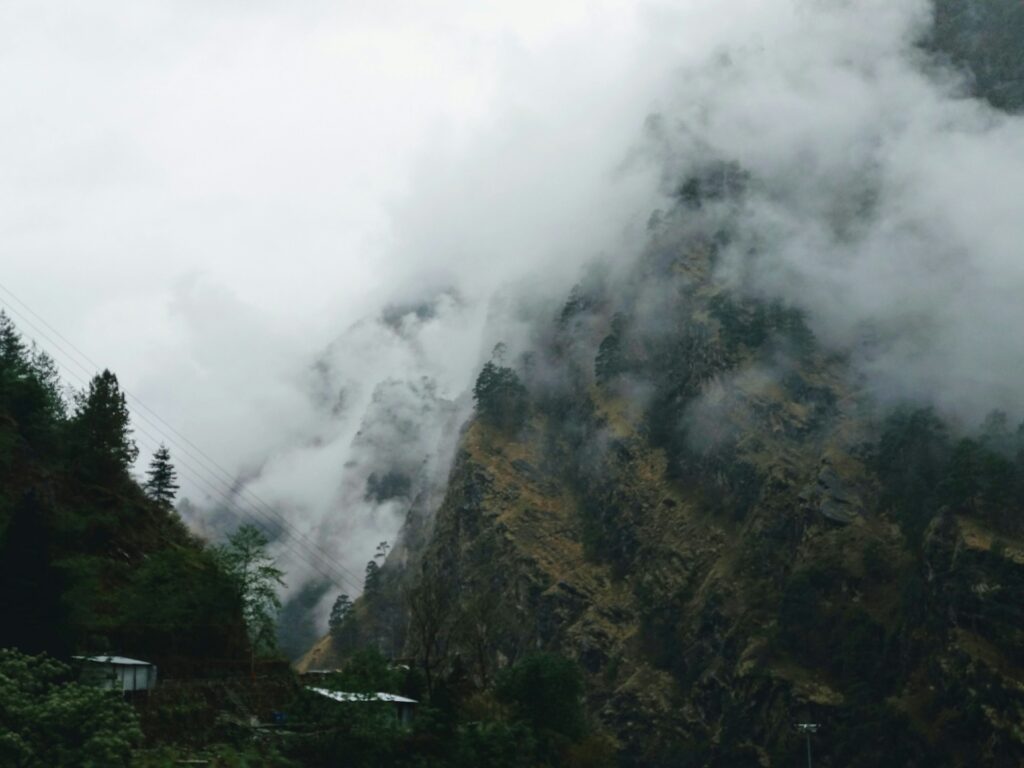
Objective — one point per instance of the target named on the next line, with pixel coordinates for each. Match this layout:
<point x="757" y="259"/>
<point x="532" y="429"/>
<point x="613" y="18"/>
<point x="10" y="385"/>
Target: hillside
<point x="89" y="561"/>
<point x="701" y="506"/>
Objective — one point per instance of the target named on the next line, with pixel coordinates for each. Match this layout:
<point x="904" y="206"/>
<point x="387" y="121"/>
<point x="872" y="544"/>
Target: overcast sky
<point x="202" y="195"/>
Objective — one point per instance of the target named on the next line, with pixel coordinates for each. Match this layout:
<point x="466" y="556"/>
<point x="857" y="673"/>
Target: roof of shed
<point x="121" y="660"/>
<point x="348" y="696"/>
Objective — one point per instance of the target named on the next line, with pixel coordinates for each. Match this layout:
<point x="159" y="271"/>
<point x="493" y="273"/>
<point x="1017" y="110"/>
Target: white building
<point x="117" y="673"/>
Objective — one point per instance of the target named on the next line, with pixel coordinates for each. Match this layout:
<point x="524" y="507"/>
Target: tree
<point x="29" y="388"/>
<point x="340" y="612"/>
<point x="546" y="691"/>
<point x="610" y="361"/>
<point x="501" y="398"/>
<point x="47" y="720"/>
<point x="432" y="624"/>
<point x="256" y="577"/>
<point x="35" y="617"/>
<point x="12" y="348"/>
<point x="162" y="484"/>
<point x="102" y="430"/>
<point x="372" y="580"/>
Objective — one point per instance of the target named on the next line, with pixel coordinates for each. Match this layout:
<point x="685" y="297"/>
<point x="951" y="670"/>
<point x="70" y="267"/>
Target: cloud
<point x="881" y="199"/>
<point x="297" y="230"/>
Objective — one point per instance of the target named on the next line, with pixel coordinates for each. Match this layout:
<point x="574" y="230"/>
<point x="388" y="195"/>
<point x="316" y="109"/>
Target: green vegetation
<point x="532" y="717"/>
<point x="162" y="485"/>
<point x="255" y="578"/>
<point x="89" y="561"/>
<point x="92" y="563"/>
<point x="924" y="471"/>
<point x="49" y="721"/>
<point x="500" y="397"/>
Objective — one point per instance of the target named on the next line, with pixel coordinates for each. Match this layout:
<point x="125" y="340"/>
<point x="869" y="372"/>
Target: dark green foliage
<point x="827" y="633"/>
<point x="751" y="323"/>
<point x="31" y="587"/>
<point x="373" y="570"/>
<point x="88" y="562"/>
<point x="161" y="485"/>
<point x="923" y="471"/>
<point x="368" y="671"/>
<point x="256" y="578"/>
<point x="499" y="744"/>
<point x="48" y="721"/>
<point x="180" y="604"/>
<point x="391" y="485"/>
<point x="341" y="612"/>
<point x="546" y="691"/>
<point x="983" y="37"/>
<point x="912" y="454"/>
<point x="501" y="399"/>
<point x="611" y="359"/>
<point x="717" y="182"/>
<point x="297" y="626"/>
<point x="100" y="431"/>
<point x="30" y="393"/>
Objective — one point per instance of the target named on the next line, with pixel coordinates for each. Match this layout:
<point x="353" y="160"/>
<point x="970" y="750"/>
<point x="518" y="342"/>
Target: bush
<point x="47" y="721"/>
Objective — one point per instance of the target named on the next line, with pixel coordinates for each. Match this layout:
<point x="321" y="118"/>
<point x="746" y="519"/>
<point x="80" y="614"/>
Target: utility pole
<point x="807" y="729"/>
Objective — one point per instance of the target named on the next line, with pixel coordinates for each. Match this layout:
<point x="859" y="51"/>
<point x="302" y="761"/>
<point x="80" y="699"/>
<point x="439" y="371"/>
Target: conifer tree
<point x="372" y="579"/>
<point x="162" y="484"/>
<point x="102" y="429"/>
<point x="500" y="396"/>
<point x="12" y="359"/>
<point x="340" y="611"/>
<point x="12" y="348"/>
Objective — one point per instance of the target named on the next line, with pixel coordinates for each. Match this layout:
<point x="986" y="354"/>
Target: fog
<point x="296" y="232"/>
<point x="882" y="200"/>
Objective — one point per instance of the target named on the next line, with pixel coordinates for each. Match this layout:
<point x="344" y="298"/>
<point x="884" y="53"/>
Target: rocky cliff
<point x="697" y="508"/>
<point x="694" y="497"/>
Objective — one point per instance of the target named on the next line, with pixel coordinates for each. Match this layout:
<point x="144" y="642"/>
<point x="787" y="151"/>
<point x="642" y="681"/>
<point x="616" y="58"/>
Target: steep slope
<point x="697" y="510"/>
<point x="89" y="562"/>
<point x="984" y="37"/>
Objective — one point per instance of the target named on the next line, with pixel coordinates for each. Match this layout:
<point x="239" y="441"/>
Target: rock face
<point x="983" y="36"/>
<point x="695" y="509"/>
<point x="700" y="522"/>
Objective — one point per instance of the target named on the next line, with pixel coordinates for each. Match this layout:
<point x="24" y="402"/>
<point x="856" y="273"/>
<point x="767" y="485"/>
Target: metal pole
<point x="807" y="729"/>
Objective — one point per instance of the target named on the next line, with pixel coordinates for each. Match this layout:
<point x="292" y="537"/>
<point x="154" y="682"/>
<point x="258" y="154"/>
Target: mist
<point x="306" y="229"/>
<point x="882" y="198"/>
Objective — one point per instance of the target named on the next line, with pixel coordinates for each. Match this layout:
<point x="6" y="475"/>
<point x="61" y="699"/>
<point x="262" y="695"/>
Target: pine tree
<point x="372" y="579"/>
<point x="610" y="361"/>
<point x="162" y="484"/>
<point x="102" y="430"/>
<point x="12" y="348"/>
<point x="500" y="397"/>
<point x="340" y="611"/>
<point x="13" y="360"/>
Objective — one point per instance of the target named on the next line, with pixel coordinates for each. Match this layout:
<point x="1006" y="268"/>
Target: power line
<point x="229" y="504"/>
<point x="278" y="521"/>
<point x="95" y="367"/>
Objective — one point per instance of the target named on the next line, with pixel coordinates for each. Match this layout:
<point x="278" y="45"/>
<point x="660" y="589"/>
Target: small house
<point x="405" y="709"/>
<point x="117" y="673"/>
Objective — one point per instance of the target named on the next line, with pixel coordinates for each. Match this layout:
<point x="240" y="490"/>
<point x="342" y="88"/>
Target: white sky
<point x="201" y="195"/>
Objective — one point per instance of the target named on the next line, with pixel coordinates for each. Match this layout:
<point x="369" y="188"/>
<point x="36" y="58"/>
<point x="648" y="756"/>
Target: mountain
<point x="984" y="37"/>
<point x="718" y="512"/>
<point x="702" y="509"/>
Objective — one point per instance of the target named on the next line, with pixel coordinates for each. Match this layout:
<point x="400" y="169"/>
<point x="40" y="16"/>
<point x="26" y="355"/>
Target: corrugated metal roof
<point x="348" y="696"/>
<point x="121" y="660"/>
